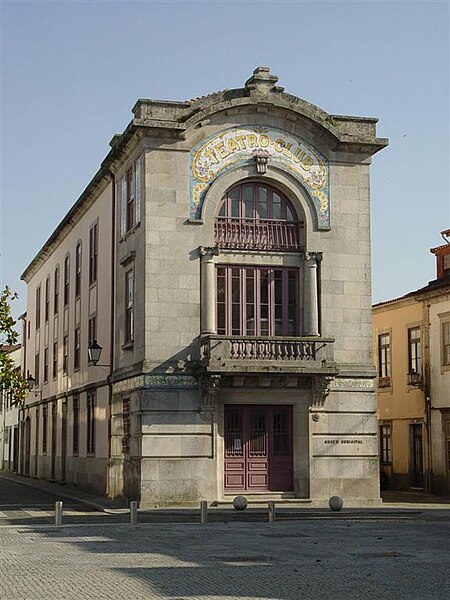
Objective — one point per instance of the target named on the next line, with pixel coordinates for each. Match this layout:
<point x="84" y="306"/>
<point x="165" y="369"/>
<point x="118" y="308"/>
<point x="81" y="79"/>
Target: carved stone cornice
<point x="208" y="251"/>
<point x="314" y="257"/>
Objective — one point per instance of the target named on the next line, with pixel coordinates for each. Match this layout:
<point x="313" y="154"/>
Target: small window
<point x="414" y="351"/>
<point x="90" y="417"/>
<point x="44" y="429"/>
<point x="65" y="364"/>
<point x="129" y="190"/>
<point x="385" y="444"/>
<point x="130" y="216"/>
<point x="56" y="292"/>
<point x="92" y="329"/>
<point x="384" y="360"/>
<point x="76" y="424"/>
<point x="76" y="348"/>
<point x="129" y="306"/>
<point x="93" y="253"/>
<point x="66" y="280"/>
<point x="38" y="307"/>
<point x="37" y="366"/>
<point x="47" y="300"/>
<point x="78" y="270"/>
<point x="45" y="365"/>
<point x="446" y="344"/>
<point x="55" y="360"/>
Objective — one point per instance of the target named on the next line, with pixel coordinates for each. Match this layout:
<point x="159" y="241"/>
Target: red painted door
<point x="258" y="448"/>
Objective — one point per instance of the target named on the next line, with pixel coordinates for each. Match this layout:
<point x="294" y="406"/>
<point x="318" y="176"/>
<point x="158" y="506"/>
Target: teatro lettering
<point x="251" y="141"/>
<point x="236" y="146"/>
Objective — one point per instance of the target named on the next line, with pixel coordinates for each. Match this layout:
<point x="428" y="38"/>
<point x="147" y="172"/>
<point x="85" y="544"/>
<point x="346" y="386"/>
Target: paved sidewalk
<point x="66" y="492"/>
<point x="392" y="501"/>
<point x="309" y="560"/>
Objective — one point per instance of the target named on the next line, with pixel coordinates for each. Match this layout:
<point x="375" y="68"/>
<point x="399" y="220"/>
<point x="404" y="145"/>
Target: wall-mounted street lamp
<point x="31" y="381"/>
<point x="94" y="352"/>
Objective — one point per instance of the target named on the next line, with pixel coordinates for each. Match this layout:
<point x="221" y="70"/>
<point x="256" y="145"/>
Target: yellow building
<point x="411" y="343"/>
<point x="398" y="335"/>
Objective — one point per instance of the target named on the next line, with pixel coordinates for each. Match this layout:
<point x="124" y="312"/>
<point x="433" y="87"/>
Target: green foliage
<point x="11" y="379"/>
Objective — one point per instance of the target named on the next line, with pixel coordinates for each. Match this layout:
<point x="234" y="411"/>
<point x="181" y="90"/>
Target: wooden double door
<point x="258" y="448"/>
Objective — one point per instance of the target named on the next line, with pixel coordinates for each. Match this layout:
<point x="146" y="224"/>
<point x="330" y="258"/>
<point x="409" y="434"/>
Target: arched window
<point x="255" y="216"/>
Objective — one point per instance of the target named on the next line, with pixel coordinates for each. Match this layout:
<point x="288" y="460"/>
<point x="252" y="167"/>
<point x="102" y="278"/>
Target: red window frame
<point x="257" y="301"/>
<point x="257" y="216"/>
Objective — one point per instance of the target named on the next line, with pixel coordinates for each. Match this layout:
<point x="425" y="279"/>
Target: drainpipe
<point x="112" y="320"/>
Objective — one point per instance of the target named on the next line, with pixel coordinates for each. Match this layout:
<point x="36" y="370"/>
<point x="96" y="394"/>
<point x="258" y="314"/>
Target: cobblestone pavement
<point x="396" y="559"/>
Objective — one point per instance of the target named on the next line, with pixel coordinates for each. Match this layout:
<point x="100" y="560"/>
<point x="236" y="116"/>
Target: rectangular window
<point x="55" y="360"/>
<point x="90" y="420"/>
<point x="66" y="280"/>
<point x="47" y="300"/>
<point x="384" y="360"/>
<point x="38" y="307"/>
<point x="76" y="424"/>
<point x="93" y="253"/>
<point x="65" y="364"/>
<point x="126" y="415"/>
<point x="44" y="429"/>
<point x="92" y="329"/>
<point x="129" y="192"/>
<point x="45" y="365"/>
<point x="130" y="213"/>
<point x="78" y="270"/>
<point x="414" y="350"/>
<point x="56" y="292"/>
<point x="37" y="365"/>
<point x="129" y="306"/>
<point x="257" y="301"/>
<point x="76" y="348"/>
<point x="446" y="344"/>
<point x="385" y="444"/>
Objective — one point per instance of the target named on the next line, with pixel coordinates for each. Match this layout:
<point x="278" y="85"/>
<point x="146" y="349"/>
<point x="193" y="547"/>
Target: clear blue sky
<point x="73" y="70"/>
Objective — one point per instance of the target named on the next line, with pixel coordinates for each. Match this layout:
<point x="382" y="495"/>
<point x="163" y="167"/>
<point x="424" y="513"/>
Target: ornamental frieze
<point x="239" y="145"/>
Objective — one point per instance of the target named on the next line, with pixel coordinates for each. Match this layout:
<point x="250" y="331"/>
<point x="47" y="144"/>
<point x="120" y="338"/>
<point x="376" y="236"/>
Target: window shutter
<point x="123" y="205"/>
<point x="137" y="183"/>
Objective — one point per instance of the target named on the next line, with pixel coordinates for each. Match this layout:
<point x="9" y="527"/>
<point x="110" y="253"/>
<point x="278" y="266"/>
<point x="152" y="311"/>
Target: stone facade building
<point x="221" y="259"/>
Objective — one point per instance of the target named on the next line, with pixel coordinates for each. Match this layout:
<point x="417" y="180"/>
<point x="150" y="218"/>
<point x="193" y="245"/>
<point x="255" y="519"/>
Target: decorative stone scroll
<point x="209" y="388"/>
<point x="249" y="143"/>
<point x="320" y="388"/>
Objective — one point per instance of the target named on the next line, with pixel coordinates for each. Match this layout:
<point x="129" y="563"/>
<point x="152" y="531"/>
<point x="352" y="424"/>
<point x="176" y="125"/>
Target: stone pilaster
<point x="311" y="301"/>
<point x="207" y="290"/>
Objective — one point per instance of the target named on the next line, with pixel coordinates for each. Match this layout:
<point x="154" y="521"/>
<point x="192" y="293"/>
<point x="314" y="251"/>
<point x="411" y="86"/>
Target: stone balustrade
<point x="308" y="355"/>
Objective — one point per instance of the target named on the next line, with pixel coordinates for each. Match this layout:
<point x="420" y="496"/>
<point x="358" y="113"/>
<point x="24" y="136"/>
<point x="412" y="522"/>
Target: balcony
<point x="238" y="354"/>
<point x="252" y="234"/>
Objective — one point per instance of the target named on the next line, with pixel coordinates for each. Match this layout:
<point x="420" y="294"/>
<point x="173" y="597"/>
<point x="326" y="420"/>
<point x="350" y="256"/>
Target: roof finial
<point x="263" y="81"/>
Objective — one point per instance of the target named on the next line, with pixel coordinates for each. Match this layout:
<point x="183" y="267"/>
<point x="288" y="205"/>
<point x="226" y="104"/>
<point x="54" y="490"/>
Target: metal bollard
<point x="271" y="507"/>
<point x="58" y="513"/>
<point x="203" y="512"/>
<point x="133" y="513"/>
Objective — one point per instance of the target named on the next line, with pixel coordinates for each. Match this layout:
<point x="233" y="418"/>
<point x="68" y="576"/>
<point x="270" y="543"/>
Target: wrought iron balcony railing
<point x="252" y="234"/>
<point x="308" y="355"/>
